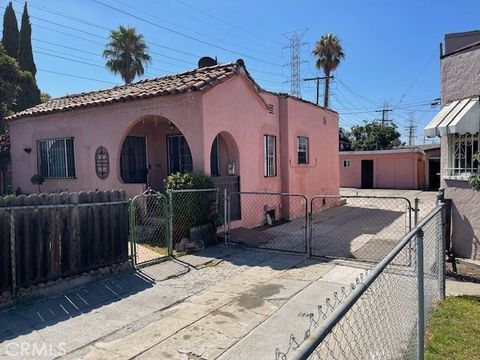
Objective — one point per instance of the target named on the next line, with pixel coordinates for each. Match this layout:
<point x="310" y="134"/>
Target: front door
<point x="133" y="160"/>
<point x="367" y="174"/>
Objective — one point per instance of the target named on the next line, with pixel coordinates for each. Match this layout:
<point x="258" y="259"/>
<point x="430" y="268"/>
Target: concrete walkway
<point x="227" y="296"/>
<point x="456" y="288"/>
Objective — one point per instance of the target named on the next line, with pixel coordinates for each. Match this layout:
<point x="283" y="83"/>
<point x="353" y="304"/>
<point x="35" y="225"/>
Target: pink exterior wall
<point x="391" y="170"/>
<point x="106" y="125"/>
<point x="233" y="109"/>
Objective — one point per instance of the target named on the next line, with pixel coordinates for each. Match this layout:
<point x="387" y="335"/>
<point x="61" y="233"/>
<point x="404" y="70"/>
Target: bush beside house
<point x="194" y="212"/>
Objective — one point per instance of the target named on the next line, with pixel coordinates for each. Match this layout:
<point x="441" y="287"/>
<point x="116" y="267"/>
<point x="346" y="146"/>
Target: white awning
<point x="458" y="117"/>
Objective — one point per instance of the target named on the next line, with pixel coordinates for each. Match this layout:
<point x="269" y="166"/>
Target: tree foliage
<point x="29" y="94"/>
<point x="374" y="136"/>
<point x="126" y="53"/>
<point x="345" y="143"/>
<point x="329" y="53"/>
<point x="25" y="52"/>
<point x="10" y="31"/>
<point x="11" y="78"/>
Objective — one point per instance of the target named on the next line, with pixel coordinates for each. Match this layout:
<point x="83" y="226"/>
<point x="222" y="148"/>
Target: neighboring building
<point x="402" y="168"/>
<point x="458" y="125"/>
<point x="213" y="119"/>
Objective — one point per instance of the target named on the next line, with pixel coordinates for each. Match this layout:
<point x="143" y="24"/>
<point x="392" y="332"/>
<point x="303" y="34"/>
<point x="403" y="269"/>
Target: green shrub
<point x="475" y="178"/>
<point x="190" y="180"/>
<point x="191" y="208"/>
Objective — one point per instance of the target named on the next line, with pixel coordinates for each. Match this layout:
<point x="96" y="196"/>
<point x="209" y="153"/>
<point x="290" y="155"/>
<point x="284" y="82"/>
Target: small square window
<point x="347" y="163"/>
<point x="55" y="158"/>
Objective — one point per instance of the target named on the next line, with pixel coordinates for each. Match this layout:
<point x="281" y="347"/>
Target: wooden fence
<point x="47" y="236"/>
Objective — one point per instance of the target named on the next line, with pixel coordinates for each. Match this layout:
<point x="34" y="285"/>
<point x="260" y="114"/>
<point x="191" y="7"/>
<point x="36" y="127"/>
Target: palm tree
<point x="329" y="53"/>
<point x="126" y="53"/>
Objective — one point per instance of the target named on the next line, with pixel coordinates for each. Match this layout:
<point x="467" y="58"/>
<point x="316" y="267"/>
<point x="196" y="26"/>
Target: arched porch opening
<point x="152" y="149"/>
<point x="224" y="156"/>
<point x="225" y="170"/>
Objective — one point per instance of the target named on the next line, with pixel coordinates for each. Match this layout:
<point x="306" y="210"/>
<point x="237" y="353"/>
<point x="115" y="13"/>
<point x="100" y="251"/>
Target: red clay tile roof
<point x="194" y="80"/>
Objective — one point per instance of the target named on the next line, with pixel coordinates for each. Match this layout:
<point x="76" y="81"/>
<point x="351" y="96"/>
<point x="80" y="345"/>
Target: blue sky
<point x="391" y="47"/>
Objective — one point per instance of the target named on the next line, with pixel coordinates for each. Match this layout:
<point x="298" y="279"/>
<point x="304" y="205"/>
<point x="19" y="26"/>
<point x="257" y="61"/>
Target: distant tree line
<point x="369" y="136"/>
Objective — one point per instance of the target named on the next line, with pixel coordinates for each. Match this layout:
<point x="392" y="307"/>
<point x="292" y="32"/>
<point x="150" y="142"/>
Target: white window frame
<point x="270" y="155"/>
<point x="52" y="167"/>
<point x="306" y="150"/>
<point x="461" y="149"/>
<point x="347" y="163"/>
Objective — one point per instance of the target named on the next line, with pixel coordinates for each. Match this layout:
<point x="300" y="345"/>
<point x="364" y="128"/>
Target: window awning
<point x="458" y="117"/>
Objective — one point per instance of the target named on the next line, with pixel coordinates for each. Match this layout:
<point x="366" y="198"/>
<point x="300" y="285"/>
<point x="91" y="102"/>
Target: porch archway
<point x="152" y="148"/>
<point x="224" y="156"/>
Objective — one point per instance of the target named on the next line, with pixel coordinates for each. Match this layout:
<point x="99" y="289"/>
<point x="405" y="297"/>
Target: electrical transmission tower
<point x="411" y="129"/>
<point x="295" y="46"/>
<point x="384" y="112"/>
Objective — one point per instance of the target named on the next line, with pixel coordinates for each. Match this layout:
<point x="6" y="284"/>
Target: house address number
<point x="102" y="162"/>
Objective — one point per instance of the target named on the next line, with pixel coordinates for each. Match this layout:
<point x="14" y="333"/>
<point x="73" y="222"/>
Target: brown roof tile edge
<point x="74" y="102"/>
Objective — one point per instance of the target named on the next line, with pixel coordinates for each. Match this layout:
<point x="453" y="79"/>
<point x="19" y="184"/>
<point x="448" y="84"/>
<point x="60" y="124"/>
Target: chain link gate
<point x="275" y="221"/>
<point x="149" y="228"/>
<point x="364" y="228"/>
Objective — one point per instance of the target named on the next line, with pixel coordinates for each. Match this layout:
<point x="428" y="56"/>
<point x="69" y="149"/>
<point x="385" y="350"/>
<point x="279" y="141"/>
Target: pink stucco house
<point x="213" y="119"/>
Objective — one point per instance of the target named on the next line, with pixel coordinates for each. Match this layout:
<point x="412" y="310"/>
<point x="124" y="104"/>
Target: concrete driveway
<point x="230" y="302"/>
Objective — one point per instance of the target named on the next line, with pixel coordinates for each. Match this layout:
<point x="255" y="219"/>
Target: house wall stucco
<point x="233" y="109"/>
<point x="106" y="125"/>
<point x="460" y="75"/>
<point x="402" y="170"/>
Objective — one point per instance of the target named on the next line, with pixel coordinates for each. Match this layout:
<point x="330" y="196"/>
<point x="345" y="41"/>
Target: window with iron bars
<point x="56" y="158"/>
<point x="270" y="147"/>
<point x="461" y="151"/>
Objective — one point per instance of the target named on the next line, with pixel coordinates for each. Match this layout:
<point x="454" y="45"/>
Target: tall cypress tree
<point x="10" y="32"/>
<point x="29" y="93"/>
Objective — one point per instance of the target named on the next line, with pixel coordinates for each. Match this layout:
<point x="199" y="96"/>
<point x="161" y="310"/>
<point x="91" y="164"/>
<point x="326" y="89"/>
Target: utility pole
<point x="384" y="112"/>
<point x="317" y="79"/>
<point x="411" y="128"/>
<point x="295" y="45"/>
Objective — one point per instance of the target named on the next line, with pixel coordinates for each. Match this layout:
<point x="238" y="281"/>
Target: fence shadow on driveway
<point x="360" y="233"/>
<point x="25" y="318"/>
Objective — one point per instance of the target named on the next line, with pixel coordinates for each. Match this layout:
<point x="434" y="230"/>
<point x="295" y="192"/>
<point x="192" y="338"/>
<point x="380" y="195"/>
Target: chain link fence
<point x="364" y="228"/>
<point x="382" y="315"/>
<point x="274" y="221"/>
<point x="171" y="224"/>
<point x="149" y="227"/>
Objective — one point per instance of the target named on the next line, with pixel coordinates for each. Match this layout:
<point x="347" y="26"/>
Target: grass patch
<point x="454" y="330"/>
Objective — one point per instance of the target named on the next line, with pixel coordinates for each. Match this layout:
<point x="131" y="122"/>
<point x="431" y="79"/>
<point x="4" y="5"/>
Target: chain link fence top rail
<point x="364" y="228"/>
<point x="273" y="221"/>
<point x="379" y="316"/>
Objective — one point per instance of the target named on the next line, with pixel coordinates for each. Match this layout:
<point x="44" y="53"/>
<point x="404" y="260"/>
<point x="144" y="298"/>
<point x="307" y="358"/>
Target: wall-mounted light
<point x="171" y="126"/>
<point x="27" y="150"/>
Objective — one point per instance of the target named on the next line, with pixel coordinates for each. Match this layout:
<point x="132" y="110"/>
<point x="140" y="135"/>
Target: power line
<point x="194" y="31"/>
<point x="75" y="76"/>
<point x="182" y="34"/>
<point x="228" y="23"/>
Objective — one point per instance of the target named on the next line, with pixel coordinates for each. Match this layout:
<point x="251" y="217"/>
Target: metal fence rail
<point x="383" y="315"/>
<point x="275" y="221"/>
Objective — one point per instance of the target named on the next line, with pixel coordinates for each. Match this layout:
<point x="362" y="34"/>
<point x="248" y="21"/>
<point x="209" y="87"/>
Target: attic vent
<point x="270" y="109"/>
